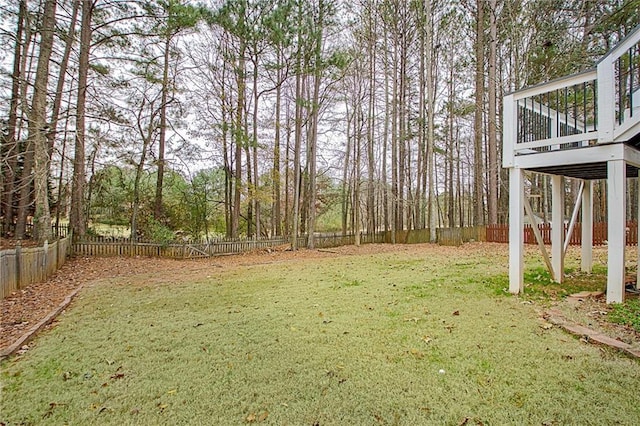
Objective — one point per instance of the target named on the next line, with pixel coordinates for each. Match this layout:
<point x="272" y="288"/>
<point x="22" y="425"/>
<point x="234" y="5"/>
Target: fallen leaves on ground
<point x="257" y="417"/>
<point x="26" y="307"/>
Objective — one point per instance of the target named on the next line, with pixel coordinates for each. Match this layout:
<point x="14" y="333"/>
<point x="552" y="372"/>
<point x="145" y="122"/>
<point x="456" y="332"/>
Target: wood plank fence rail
<point x="20" y="266"/>
<point x="500" y="233"/>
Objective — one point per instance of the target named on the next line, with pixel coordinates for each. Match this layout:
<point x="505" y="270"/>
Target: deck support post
<point x="516" y="230"/>
<point x="616" y="206"/>
<point x="638" y="233"/>
<point x="606" y="101"/>
<point x="557" y="227"/>
<point x="586" y="257"/>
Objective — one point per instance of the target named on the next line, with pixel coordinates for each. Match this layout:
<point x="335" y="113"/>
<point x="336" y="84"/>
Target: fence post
<point x="58" y="253"/>
<point x="18" y="264"/>
<point x="45" y="259"/>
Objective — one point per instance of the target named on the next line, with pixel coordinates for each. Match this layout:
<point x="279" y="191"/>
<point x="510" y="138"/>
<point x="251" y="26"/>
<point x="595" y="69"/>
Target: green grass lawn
<point x="421" y="335"/>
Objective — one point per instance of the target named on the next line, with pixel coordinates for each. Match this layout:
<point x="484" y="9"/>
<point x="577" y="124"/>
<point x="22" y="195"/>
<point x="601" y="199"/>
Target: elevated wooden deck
<point x="584" y="126"/>
<point x="570" y="126"/>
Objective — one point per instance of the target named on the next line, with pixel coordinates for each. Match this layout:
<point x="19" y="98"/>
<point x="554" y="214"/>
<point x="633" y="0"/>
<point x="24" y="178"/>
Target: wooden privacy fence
<point x="444" y="236"/>
<point x="500" y="233"/>
<point x="20" y="266"/>
<point x="457" y="236"/>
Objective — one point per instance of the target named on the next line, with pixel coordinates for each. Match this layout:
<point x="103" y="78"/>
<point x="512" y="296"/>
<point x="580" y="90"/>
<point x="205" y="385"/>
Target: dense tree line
<point x="275" y="117"/>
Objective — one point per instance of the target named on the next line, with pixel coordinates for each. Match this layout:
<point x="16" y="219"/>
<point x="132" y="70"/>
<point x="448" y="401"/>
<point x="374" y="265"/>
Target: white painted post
<point x="509" y="131"/>
<point x="638" y="237"/>
<point x="555" y="132"/>
<point x="557" y="227"/>
<point x="586" y="263"/>
<point x="516" y="230"/>
<point x="606" y="101"/>
<point x="616" y="191"/>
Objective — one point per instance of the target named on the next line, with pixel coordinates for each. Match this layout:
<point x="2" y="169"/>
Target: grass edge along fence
<point x="22" y="266"/>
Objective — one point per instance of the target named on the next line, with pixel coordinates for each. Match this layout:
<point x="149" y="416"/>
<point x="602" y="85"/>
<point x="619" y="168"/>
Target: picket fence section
<point x="113" y="246"/>
<point x="109" y="246"/>
<point x="20" y="266"/>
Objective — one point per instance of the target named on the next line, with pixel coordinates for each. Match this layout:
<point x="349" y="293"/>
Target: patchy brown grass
<point x="378" y="334"/>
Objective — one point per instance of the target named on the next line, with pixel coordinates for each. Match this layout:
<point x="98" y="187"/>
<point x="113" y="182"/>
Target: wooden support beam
<point x="574" y="218"/>
<point x="539" y="239"/>
<point x="516" y="230"/>
<point x="616" y="191"/>
<point x="557" y="227"/>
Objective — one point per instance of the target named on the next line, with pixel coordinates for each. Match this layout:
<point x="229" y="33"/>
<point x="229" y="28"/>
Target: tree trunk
<point x="478" y="177"/>
<point x="228" y="171"/>
<point x="296" y="165"/>
<point x="239" y="139"/>
<point x="162" y="138"/>
<point x="287" y="174"/>
<point x="24" y="187"/>
<point x="276" y="227"/>
<point x="372" y="52"/>
<point x="77" y="219"/>
<point x="387" y="205"/>
<point x="57" y="102"/>
<point x="255" y="201"/>
<point x="136" y="185"/>
<point x="313" y="133"/>
<point x="250" y="189"/>
<point x="38" y="127"/>
<point x="493" y="168"/>
<point x="450" y="148"/>
<point x="394" y="140"/>
<point x="345" y="173"/>
<point x="422" y="117"/>
<point x="10" y="145"/>
<point x="357" y="143"/>
<point x="297" y="141"/>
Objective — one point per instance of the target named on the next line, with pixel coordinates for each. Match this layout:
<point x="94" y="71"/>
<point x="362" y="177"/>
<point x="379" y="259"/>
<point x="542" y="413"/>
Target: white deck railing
<point x="601" y="105"/>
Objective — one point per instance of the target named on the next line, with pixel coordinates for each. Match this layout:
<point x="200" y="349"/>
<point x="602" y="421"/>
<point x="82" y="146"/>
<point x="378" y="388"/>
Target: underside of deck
<point x="588" y="171"/>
